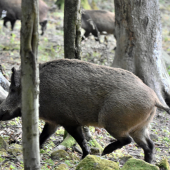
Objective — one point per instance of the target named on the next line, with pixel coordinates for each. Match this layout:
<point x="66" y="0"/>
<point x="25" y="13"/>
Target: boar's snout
<point x="6" y="114"/>
<point x="3" y="112"/>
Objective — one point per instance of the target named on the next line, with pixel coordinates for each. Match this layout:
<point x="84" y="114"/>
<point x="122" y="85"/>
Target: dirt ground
<point x="51" y="48"/>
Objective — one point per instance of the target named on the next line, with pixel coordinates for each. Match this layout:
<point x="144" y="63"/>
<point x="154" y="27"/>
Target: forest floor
<point x="51" y="48"/>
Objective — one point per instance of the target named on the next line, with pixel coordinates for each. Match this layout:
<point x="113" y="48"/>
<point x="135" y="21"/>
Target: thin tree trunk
<point x="139" y="43"/>
<point x="72" y="49"/>
<point x="72" y="29"/>
<point x="30" y="84"/>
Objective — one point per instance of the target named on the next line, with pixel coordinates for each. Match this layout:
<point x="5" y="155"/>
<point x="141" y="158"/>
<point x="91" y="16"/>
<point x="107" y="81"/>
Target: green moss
<point x="15" y="149"/>
<point x="62" y="167"/>
<point x="92" y="162"/>
<point x="60" y="154"/>
<point x="60" y="132"/>
<point x="164" y="164"/>
<point x="137" y="164"/>
<point x="3" y="144"/>
<point x="68" y="142"/>
<point x="73" y="156"/>
<point x="3" y="153"/>
<point x="96" y="144"/>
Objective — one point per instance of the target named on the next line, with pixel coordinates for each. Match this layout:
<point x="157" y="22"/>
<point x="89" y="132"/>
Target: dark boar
<point x="97" y="22"/>
<point x="74" y="93"/>
<point x="13" y="8"/>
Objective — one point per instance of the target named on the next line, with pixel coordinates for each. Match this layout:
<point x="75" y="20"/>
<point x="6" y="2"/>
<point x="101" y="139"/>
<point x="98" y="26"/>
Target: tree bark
<point x="30" y="84"/>
<point x="84" y="4"/>
<point x="72" y="29"/>
<point x="4" y="86"/>
<point x="139" y="43"/>
<point x="72" y="49"/>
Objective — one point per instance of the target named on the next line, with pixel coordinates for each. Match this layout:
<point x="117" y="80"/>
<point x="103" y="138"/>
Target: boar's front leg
<point x="77" y="133"/>
<point x="48" y="130"/>
<point x="86" y="34"/>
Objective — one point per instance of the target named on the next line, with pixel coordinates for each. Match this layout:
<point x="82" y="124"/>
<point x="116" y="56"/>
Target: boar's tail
<point x="160" y="106"/>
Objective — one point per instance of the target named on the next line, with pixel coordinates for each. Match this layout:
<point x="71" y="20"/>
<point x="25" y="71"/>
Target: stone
<point x="95" y="151"/>
<point x="164" y="165"/>
<point x="138" y="164"/>
<point x="3" y="144"/>
<point x="60" y="154"/>
<point x="92" y="162"/>
<point x="62" y="166"/>
<point x="15" y="149"/>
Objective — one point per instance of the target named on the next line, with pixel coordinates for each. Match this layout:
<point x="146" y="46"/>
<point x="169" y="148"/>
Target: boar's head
<point x="11" y="106"/>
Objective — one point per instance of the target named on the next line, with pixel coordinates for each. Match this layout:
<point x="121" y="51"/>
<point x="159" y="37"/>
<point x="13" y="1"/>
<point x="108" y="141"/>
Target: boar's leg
<point x="48" y="130"/>
<point x="77" y="133"/>
<point x="86" y="34"/>
<point x="117" y="145"/>
<point x="12" y="21"/>
<point x="143" y="140"/>
<point x="12" y="24"/>
<point x="96" y="34"/>
<point x="43" y="26"/>
<point x="5" y="22"/>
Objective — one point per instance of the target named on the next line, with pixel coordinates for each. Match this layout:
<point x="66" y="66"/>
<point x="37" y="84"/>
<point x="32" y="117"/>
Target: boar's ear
<point x="13" y="76"/>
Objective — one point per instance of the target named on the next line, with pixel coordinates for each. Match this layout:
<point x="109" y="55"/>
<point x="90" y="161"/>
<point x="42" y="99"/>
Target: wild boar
<point x="97" y="22"/>
<point x="13" y="8"/>
<point x="74" y="93"/>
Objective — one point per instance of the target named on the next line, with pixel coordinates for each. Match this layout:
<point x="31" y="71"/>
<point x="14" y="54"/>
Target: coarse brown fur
<point x="74" y="93"/>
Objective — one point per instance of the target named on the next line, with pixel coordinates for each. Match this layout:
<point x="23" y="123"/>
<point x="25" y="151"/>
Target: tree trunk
<point x="84" y="4"/>
<point x="72" y="29"/>
<point x="30" y="84"/>
<point x="4" y="86"/>
<point x="72" y="49"/>
<point x="139" y="43"/>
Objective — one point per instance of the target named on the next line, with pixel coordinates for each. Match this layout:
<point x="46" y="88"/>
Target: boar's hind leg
<point x="48" y="130"/>
<point x="77" y="133"/>
<point x="122" y="141"/>
<point x="142" y="139"/>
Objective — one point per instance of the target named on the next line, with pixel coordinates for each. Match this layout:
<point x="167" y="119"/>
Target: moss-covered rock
<point x="137" y="164"/>
<point x="15" y="149"/>
<point x="60" y="154"/>
<point x="3" y="153"/>
<point x="164" y="165"/>
<point x="60" y="132"/>
<point x="73" y="156"/>
<point x="92" y="162"/>
<point x="68" y="142"/>
<point x="124" y="159"/>
<point x="95" y="151"/>
<point x="95" y="144"/>
<point x="3" y="144"/>
<point x="62" y="167"/>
